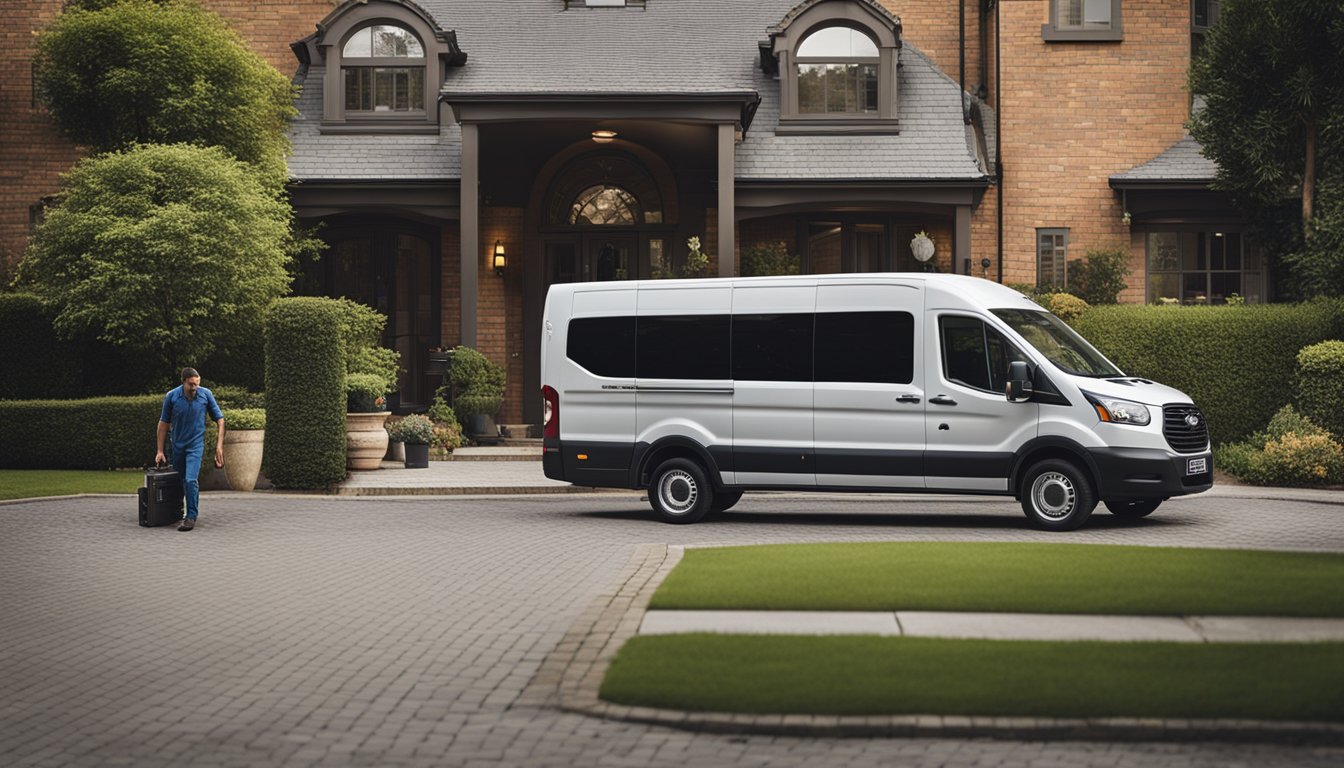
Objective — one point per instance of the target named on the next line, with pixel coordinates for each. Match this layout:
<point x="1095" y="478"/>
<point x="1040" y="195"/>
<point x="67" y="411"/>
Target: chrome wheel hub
<point x="677" y="492"/>
<point x="1053" y="496"/>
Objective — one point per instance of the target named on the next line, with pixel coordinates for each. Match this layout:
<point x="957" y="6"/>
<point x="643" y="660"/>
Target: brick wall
<point x="499" y="303"/>
<point x="35" y="155"/>
<point x="1117" y="105"/>
<point x="933" y="27"/>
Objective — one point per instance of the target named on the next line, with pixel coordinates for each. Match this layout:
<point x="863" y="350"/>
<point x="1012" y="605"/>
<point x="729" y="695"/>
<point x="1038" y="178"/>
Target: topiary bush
<point x="1236" y="363"/>
<point x="477" y="383"/>
<point x="94" y="433"/>
<point x="1099" y="278"/>
<point x="1320" y="375"/>
<point x="768" y="259"/>
<point x="1066" y="306"/>
<point x="305" y="394"/>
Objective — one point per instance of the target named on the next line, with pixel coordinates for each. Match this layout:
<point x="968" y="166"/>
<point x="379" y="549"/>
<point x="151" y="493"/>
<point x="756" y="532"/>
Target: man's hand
<point x="158" y="458"/>
<point x="219" y="456"/>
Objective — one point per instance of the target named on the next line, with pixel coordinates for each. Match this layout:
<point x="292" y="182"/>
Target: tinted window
<point x="604" y="346"/>
<point x="876" y="347"/>
<point x="772" y="347"/>
<point x="975" y="354"/>
<point x="683" y="347"/>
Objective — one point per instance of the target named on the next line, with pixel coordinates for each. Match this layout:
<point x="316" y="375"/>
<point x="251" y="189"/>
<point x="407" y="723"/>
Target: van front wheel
<point x="679" y="492"/>
<point x="1057" y="495"/>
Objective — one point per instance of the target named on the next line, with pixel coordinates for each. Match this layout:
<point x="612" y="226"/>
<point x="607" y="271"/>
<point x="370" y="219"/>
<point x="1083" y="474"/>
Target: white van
<point x="699" y="390"/>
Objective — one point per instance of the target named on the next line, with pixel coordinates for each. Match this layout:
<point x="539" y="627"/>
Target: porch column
<point x="727" y="203"/>
<point x="470" y="231"/>
<point x="961" y="242"/>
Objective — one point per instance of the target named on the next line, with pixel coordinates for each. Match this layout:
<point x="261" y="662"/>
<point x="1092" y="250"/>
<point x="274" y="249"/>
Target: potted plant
<point x="416" y="432"/>
<point x="366" y="410"/>
<point x="447" y="432"/>
<point x="244" y="436"/>
<point x="477" y="385"/>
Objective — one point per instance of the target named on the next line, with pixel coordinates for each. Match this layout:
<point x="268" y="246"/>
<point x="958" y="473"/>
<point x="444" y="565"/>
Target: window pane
<point x="395" y="42"/>
<point x="604" y="346"/>
<point x="868" y="87"/>
<point x="838" y="42"/>
<point x="1164" y="252"/>
<point x="1051" y="254"/>
<point x="772" y="347"/>
<point x="811" y="88"/>
<point x="1195" y="288"/>
<point x="1001" y="354"/>
<point x="360" y="45"/>
<point x="965" y="359"/>
<point x="876" y="347"/>
<point x="1097" y="13"/>
<point x="1164" y="288"/>
<point x="604" y="205"/>
<point x="1222" y="285"/>
<point x="683" y="347"/>
<point x="1232" y="248"/>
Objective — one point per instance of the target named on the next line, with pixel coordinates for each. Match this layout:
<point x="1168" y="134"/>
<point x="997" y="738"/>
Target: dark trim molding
<point x="720" y="107"/>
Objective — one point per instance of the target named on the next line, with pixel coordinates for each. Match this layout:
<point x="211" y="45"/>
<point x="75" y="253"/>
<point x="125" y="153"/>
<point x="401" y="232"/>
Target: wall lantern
<point x="603" y="136"/>
<point x="498" y="259"/>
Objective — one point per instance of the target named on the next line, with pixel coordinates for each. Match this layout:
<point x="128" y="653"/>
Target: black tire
<point x="724" y="500"/>
<point x="1057" y="495"/>
<point x="1133" y="509"/>
<point x="679" y="492"/>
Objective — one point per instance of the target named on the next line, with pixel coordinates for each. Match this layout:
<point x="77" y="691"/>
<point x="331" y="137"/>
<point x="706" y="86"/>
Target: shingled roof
<point x="1182" y="163"/>
<point x="666" y="47"/>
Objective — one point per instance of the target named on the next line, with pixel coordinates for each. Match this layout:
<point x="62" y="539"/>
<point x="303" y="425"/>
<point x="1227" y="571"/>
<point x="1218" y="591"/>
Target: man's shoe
<point x="187" y="524"/>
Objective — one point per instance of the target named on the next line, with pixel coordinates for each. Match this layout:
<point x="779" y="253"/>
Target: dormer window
<point x="837" y="72"/>
<point x="383" y="69"/>
<point x="837" y="67"/>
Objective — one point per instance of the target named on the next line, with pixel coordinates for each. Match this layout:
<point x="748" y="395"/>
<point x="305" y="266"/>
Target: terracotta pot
<point x="365" y="439"/>
<point x="242" y="457"/>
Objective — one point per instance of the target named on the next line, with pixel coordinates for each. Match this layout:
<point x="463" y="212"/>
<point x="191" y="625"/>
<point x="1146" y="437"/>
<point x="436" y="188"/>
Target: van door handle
<point x="907" y="398"/>
<point x="942" y="400"/>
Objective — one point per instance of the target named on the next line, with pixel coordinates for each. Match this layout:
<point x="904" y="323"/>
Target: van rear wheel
<point x="679" y="492"/>
<point x="1057" y="495"/>
<point x="1133" y="509"/>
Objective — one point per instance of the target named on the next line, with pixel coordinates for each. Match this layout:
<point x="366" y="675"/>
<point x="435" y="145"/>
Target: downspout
<point x="998" y="129"/>
<point x="961" y="26"/>
<point x="982" y="90"/>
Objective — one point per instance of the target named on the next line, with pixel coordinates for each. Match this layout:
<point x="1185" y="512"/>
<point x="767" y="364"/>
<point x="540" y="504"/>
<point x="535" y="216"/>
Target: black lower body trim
<point x="1137" y="474"/>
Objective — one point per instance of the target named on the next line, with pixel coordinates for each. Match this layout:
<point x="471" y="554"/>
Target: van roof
<point x="973" y="289"/>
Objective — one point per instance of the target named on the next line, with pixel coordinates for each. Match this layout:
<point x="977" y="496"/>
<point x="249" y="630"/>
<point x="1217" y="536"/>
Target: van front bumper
<point x="1135" y="474"/>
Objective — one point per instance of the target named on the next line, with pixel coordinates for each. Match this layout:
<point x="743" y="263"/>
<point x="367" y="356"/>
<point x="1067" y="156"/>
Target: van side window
<point x="772" y="347"/>
<point x="682" y="347"/>
<point x="876" y="347"/>
<point x="605" y="346"/>
<point x="975" y="354"/>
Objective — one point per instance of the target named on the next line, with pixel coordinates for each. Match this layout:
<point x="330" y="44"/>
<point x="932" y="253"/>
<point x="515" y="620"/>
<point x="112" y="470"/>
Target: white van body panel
<point x="602" y="408"/>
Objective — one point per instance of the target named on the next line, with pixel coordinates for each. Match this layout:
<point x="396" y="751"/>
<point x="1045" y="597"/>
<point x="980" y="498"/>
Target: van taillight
<point x="550" y="413"/>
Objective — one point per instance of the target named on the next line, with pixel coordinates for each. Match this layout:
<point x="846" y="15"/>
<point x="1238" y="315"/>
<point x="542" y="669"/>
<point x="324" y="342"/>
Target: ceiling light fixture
<point x="603" y="136"/>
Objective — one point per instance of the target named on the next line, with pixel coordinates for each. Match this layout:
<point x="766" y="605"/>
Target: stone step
<point x="498" y="453"/>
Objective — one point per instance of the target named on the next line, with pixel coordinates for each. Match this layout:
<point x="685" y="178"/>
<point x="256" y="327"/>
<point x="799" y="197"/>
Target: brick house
<point x="600" y="135"/>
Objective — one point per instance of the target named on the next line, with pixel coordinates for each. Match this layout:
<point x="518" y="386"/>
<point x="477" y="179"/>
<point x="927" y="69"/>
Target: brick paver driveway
<point x="323" y="631"/>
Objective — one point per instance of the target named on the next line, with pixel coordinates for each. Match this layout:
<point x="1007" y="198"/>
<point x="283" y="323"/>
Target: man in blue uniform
<point x="184" y="411"/>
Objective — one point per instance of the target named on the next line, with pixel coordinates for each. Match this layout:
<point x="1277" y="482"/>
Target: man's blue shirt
<point x="187" y="416"/>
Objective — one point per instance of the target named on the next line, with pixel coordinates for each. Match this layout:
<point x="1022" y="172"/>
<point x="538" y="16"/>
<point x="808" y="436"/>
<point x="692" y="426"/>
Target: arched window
<point x="383" y="70"/>
<point x="837" y="72"/>
<point x="604" y="204"/>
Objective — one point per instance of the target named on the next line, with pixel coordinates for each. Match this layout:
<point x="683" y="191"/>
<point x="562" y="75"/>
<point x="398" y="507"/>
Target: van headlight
<point x="1119" y="411"/>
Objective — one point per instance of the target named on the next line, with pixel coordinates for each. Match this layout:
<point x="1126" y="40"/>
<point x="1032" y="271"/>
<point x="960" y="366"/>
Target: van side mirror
<point x="1019" y="387"/>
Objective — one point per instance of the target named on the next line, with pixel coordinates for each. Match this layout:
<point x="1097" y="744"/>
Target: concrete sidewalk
<point x="999" y="626"/>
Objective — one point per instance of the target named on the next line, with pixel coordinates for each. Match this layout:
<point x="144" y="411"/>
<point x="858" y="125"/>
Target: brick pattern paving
<point x="333" y="631"/>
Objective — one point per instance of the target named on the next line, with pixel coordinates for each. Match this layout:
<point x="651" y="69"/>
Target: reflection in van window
<point x="603" y="345"/>
<point x="874" y="347"/>
<point x="682" y="347"/>
<point x="1059" y="343"/>
<point x="975" y="354"/>
<point x="772" y="347"/>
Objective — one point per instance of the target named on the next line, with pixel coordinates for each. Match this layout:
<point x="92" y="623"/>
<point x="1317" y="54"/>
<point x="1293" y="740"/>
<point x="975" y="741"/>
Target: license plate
<point x="1197" y="466"/>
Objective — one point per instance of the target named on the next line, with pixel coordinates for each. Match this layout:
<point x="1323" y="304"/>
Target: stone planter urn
<point x="365" y="439"/>
<point x="242" y="457"/>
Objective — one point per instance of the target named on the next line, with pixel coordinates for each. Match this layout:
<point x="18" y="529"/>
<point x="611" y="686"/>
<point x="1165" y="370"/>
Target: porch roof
<point x="1181" y="163"/>
<point x="689" y="47"/>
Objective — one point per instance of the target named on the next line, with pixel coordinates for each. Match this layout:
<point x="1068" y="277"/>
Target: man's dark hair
<point x="189" y="373"/>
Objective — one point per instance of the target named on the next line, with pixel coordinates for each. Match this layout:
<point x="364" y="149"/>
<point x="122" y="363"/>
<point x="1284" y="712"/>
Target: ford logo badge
<point x="1192" y="420"/>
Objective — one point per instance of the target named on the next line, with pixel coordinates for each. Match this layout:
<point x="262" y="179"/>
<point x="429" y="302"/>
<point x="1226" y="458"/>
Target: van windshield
<point x="1059" y="343"/>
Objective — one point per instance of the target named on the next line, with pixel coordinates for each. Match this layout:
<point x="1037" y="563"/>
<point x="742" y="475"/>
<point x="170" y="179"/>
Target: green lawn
<point x="31" y="483"/>
<point x="1031" y="578"/>
<point x="896" y="675"/>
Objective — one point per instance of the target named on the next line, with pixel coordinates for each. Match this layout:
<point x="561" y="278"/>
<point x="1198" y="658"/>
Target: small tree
<point x="1100" y="277"/>
<point x="161" y="248"/>
<point x="114" y="74"/>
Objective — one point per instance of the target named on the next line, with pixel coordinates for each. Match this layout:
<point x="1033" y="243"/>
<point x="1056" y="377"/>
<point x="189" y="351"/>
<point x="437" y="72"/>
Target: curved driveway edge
<point x="571" y="677"/>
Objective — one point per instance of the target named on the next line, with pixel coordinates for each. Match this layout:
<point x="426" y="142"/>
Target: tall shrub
<point x="1237" y="363"/>
<point x="1320" y="374"/>
<point x="1100" y="277"/>
<point x="305" y="394"/>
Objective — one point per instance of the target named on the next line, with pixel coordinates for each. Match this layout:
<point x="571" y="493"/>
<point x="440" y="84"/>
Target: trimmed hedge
<point x="1237" y="363"/>
<point x="97" y="433"/>
<point x="1320" y="371"/>
<point x="305" y="394"/>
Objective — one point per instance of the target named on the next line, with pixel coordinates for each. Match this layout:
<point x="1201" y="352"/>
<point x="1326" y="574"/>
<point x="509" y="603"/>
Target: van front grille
<point x="1181" y="434"/>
